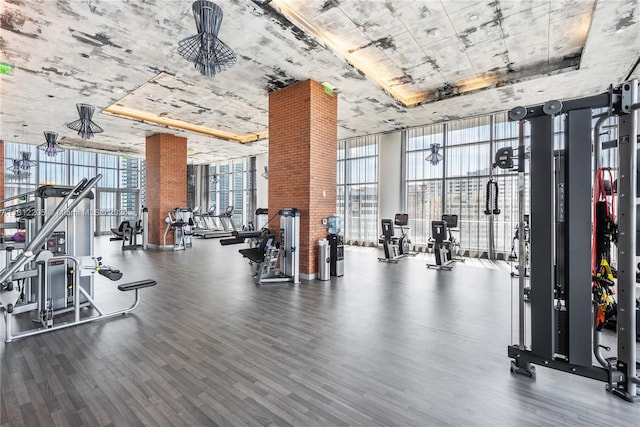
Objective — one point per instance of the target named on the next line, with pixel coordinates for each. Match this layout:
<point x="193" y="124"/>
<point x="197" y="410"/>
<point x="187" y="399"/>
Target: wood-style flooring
<point x="385" y="345"/>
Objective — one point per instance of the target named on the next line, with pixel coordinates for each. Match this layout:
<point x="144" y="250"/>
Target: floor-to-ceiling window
<point x="357" y="197"/>
<point x="447" y="168"/>
<point x="467" y="158"/>
<point x="129" y="190"/>
<point x="506" y="134"/>
<point x="25" y="180"/>
<point x="424" y="174"/>
<point x="233" y="185"/>
<point x="117" y="193"/>
<point x="53" y="170"/>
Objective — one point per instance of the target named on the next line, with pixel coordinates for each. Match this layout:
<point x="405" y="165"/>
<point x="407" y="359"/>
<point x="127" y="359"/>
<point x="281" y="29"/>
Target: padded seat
<point x="257" y="254"/>
<point x="119" y="232"/>
<point x="136" y="285"/>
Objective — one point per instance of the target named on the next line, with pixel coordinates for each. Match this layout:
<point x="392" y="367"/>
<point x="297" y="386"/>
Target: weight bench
<point x="77" y="319"/>
<point x="136" y="285"/>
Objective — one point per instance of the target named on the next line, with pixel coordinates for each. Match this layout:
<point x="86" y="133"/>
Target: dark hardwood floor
<point x="384" y="345"/>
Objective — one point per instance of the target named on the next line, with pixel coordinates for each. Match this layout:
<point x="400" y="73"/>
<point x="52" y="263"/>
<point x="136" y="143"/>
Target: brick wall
<point x="2" y="177"/>
<point x="303" y="139"/>
<point x="166" y="157"/>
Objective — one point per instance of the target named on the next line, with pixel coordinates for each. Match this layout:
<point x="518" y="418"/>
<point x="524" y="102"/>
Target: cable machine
<point x="50" y="278"/>
<point x="562" y="314"/>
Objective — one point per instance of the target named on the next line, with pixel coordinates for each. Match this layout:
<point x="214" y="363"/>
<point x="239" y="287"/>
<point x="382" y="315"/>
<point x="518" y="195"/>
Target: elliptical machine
<point x="395" y="248"/>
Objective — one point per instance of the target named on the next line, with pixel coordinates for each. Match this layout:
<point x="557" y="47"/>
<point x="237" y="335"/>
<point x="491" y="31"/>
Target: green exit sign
<point x="5" y="68"/>
<point x="328" y="88"/>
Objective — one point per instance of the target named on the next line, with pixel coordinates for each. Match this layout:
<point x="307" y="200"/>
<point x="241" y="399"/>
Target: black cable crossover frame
<point x="560" y="298"/>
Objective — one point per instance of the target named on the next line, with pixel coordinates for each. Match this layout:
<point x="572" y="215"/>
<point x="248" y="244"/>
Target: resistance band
<point x="604" y="232"/>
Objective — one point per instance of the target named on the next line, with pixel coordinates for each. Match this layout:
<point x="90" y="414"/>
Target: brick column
<point x="2" y="179"/>
<point x="303" y="138"/>
<point x="3" y="172"/>
<point x="166" y="165"/>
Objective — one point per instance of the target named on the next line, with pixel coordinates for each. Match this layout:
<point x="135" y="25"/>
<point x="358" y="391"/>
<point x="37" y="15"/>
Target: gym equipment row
<point x="278" y="262"/>
<point x="53" y="274"/>
<point x="211" y="225"/>
<point x="444" y="242"/>
<point x="571" y="281"/>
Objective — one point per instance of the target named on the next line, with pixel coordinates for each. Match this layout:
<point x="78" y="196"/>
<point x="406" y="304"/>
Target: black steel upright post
<point x="577" y="235"/>
<point x="627" y="187"/>
<point x="522" y="256"/>
<point x="542" y="259"/>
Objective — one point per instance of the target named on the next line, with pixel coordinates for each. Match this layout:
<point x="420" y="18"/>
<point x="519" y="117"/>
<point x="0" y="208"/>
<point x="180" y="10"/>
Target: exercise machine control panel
<point x="57" y="243"/>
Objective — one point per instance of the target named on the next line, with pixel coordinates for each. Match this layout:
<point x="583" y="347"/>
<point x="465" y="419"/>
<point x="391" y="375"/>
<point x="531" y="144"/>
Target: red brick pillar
<point x="2" y="179"/>
<point x="3" y="165"/>
<point x="303" y="138"/>
<point x="166" y="165"/>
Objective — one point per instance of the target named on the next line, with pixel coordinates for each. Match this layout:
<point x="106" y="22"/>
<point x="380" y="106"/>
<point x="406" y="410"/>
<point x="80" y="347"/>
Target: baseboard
<point x="311" y="276"/>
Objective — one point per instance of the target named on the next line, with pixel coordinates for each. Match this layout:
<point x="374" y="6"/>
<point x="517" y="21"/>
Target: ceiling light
<point x="132" y="113"/>
<point x="435" y="157"/>
<point x="21" y="167"/>
<point x="207" y="52"/>
<point x="476" y="83"/>
<point x="26" y="163"/>
<point x="15" y="167"/>
<point x="85" y="127"/>
<point x="50" y="147"/>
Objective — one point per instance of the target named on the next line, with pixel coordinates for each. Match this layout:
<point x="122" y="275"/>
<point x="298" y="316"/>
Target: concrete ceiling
<point x="395" y="64"/>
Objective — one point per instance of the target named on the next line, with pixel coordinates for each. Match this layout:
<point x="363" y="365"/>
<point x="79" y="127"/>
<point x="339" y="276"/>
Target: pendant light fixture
<point x="209" y="54"/>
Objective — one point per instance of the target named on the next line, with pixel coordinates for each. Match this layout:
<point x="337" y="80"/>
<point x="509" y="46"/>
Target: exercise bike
<point x="128" y="234"/>
<point x="444" y="243"/>
<point x="395" y="247"/>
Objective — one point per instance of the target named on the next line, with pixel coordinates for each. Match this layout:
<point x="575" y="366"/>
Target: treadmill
<point x="226" y="221"/>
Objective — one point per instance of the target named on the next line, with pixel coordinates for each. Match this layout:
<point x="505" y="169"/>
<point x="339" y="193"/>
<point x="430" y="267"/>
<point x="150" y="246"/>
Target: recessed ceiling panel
<point x="464" y="41"/>
<point x="173" y="102"/>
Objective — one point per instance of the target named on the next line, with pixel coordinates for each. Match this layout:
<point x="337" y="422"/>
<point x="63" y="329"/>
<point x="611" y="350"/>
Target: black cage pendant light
<point x="26" y="163"/>
<point x="51" y="147"/>
<point x="20" y="168"/>
<point x="435" y="156"/>
<point x="15" y="167"/>
<point x="84" y="126"/>
<point x="209" y="54"/>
